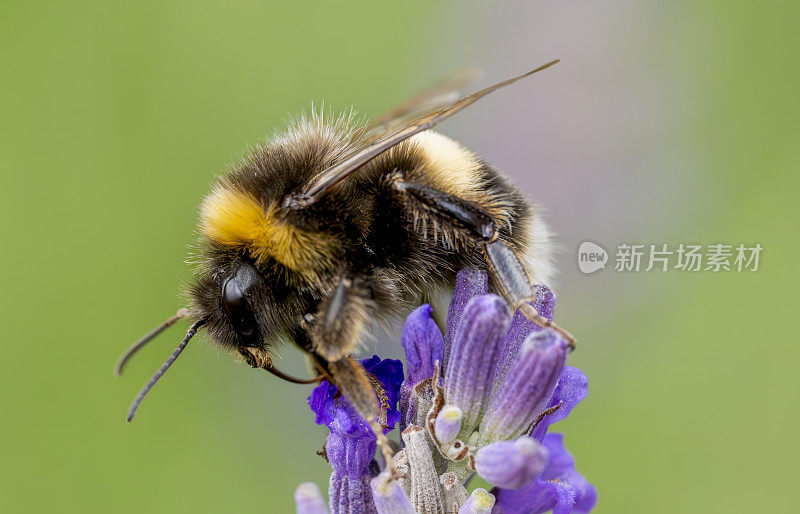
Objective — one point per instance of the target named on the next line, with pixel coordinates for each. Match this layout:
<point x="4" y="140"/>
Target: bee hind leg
<point x="472" y="222"/>
<point x="465" y="219"/>
<point x="515" y="284"/>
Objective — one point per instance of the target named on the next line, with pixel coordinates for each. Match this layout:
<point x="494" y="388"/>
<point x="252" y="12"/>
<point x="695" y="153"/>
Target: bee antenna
<point x="135" y="347"/>
<point x="163" y="369"/>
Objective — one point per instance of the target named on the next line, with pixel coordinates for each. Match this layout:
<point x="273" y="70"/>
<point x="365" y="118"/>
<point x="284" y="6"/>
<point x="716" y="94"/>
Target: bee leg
<point x="333" y="334"/>
<point x="377" y="388"/>
<point x="515" y="284"/>
<point x="470" y="220"/>
<point x="354" y="381"/>
<point x="341" y="318"/>
<point x="475" y="223"/>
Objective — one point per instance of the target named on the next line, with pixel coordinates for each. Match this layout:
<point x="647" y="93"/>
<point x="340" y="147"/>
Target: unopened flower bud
<point x="470" y="282"/>
<point x="308" y="499"/>
<point x="468" y="379"/>
<point x="527" y="387"/>
<point x="480" y="502"/>
<point x="422" y="342"/>
<point x="389" y="497"/>
<point x="448" y="423"/>
<point x="520" y="328"/>
<point x="511" y="464"/>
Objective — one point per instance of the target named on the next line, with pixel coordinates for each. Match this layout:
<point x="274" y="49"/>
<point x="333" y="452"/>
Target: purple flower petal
<point x="350" y="455"/>
<point x="561" y="468"/>
<point x="422" y="341"/>
<point x="308" y="499"/>
<point x="390" y="374"/>
<point x="537" y="498"/>
<point x="477" y="347"/>
<point x="559" y="488"/>
<point x="321" y="405"/>
<point x="389" y="497"/>
<point x="511" y="464"/>
<point x="350" y="495"/>
<point x="521" y="327"/>
<point x="527" y="388"/>
<point x="573" y="386"/>
<point x="470" y="282"/>
<point x="330" y="410"/>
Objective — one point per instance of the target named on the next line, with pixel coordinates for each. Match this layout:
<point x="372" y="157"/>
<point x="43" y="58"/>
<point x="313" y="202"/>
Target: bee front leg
<point x="368" y="398"/>
<point x="341" y="319"/>
<point x="335" y="332"/>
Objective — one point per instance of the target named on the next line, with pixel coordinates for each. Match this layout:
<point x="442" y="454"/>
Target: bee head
<point x="243" y="307"/>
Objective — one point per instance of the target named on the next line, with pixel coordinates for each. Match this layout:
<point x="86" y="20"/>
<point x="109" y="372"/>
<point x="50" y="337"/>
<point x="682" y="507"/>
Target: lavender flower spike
<point x="572" y="388"/>
<point x="511" y="464"/>
<point x="527" y="387"/>
<point x="308" y="499"/>
<point x="501" y="385"/>
<point x="480" y="502"/>
<point x="448" y="423"/>
<point x="389" y="496"/>
<point x="468" y="379"/>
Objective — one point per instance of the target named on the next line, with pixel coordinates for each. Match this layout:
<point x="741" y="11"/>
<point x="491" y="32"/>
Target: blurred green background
<point x="665" y="123"/>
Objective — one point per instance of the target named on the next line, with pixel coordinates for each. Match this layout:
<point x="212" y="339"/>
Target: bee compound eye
<point x="239" y="312"/>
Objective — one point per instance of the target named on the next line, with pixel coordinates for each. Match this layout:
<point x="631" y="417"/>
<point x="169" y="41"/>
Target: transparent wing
<point x="437" y="95"/>
<point x="329" y="178"/>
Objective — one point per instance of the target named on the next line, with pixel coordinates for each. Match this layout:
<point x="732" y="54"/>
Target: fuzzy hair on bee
<point x="337" y="224"/>
<point x="376" y="231"/>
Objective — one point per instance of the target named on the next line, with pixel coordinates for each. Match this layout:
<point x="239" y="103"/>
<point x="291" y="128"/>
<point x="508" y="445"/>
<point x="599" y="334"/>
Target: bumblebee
<point x="338" y="224"/>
